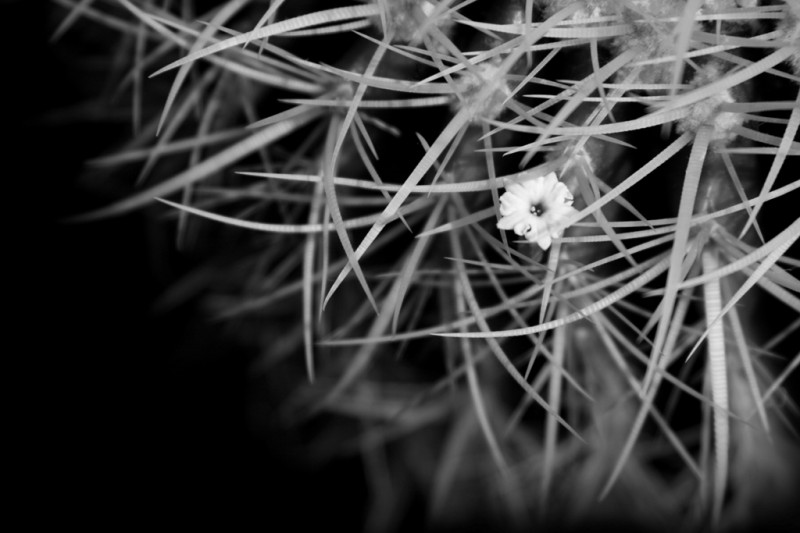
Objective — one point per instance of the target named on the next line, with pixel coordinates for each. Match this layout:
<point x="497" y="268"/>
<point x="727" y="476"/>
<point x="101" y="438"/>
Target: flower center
<point x="537" y="209"/>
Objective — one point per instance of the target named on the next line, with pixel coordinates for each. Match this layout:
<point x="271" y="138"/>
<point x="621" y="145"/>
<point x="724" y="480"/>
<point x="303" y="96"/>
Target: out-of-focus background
<point x="133" y="410"/>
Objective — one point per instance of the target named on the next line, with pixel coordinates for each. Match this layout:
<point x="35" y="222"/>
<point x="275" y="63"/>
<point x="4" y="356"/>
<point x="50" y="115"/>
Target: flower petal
<point x="536" y="228"/>
<point x="534" y="192"/>
<point x="509" y="203"/>
<point x="544" y="241"/>
<point x="561" y="194"/>
<point x="559" y="212"/>
<point x="508" y="222"/>
<point x="524" y="226"/>
<point x="517" y="190"/>
<point x="550" y="181"/>
<point x="554" y="232"/>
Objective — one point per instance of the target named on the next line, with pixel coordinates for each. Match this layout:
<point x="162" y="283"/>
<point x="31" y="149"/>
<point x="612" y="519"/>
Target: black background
<point x="123" y="412"/>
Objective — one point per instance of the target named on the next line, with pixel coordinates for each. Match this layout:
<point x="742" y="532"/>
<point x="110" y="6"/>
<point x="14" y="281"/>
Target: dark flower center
<point x="537" y="209"/>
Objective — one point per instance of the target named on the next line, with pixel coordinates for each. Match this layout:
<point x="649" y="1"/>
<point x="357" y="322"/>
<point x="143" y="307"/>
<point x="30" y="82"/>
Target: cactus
<point x="383" y="169"/>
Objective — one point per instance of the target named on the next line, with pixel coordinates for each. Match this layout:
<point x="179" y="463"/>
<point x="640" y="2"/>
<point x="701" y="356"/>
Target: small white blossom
<point x="534" y="208"/>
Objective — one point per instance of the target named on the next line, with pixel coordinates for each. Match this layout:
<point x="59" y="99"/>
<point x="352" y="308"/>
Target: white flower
<point x="534" y="208"/>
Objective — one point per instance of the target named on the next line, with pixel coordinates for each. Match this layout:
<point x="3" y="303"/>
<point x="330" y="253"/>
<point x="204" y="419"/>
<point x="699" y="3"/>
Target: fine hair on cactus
<point x="518" y="265"/>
